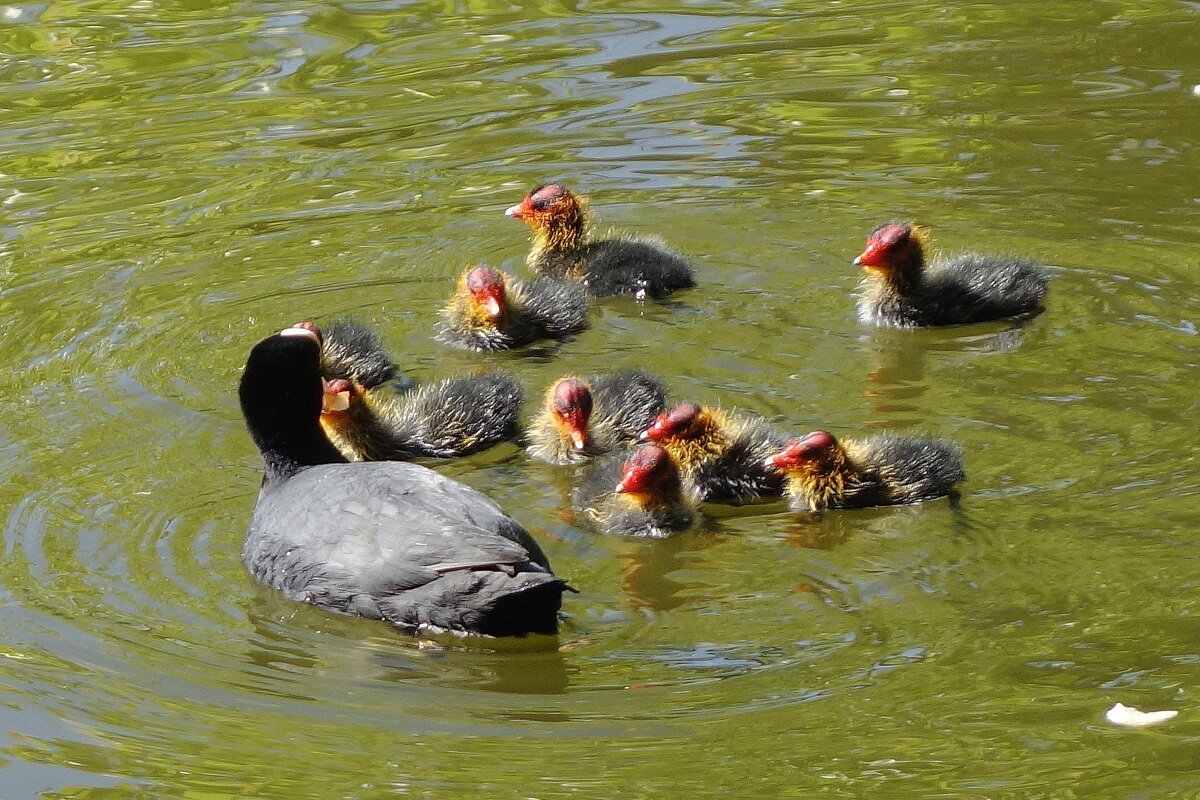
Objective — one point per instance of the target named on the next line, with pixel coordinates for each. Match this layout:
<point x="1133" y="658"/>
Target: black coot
<point x="384" y="540"/>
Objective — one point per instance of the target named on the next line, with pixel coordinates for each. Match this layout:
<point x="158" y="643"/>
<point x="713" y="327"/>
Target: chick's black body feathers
<point x="967" y="288"/>
<point x="354" y="351"/>
<point x="890" y="470"/>
<point x="450" y="418"/>
<point x="639" y="265"/>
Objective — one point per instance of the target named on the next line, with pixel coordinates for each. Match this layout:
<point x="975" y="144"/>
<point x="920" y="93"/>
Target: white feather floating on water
<point x="1130" y="717"/>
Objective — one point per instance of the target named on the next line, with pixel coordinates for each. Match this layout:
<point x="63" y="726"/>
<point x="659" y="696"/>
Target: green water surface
<point x="180" y="179"/>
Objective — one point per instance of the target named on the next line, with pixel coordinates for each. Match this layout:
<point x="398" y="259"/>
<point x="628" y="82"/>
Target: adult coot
<point x="821" y="472"/>
<point x="385" y="540"/>
<point x="900" y="291"/>
<point x="642" y="265"/>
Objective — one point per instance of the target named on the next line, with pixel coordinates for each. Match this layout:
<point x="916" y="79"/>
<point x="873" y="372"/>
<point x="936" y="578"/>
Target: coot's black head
<point x="281" y="394"/>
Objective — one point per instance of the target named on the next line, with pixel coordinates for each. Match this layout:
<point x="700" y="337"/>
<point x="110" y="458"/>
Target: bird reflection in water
<point x="821" y="531"/>
<point x="646" y="567"/>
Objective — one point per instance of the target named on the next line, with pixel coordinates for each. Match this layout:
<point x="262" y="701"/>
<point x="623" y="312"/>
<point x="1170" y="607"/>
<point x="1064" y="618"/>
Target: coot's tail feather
<point x="533" y="609"/>
<point x="491" y="602"/>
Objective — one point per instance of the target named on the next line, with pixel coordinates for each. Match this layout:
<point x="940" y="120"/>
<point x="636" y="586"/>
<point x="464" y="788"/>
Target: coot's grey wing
<point x="455" y="501"/>
<point x="390" y="509"/>
<point x="387" y="517"/>
<point x="398" y="541"/>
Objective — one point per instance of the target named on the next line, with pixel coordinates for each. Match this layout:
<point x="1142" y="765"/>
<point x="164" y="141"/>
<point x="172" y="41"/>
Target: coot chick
<point x="721" y="454"/>
<point x="447" y="419"/>
<point x="822" y="472"/>
<point x="900" y="291"/>
<point x="585" y="417"/>
<point x="492" y="310"/>
<point x="642" y="265"/>
<point x="637" y="494"/>
<point x="355" y="352"/>
<point x="384" y="540"/>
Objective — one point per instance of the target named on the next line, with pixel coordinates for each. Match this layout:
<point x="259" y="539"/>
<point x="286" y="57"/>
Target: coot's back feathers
<point x="397" y="541"/>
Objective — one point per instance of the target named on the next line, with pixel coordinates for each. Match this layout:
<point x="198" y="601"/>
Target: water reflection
<point x="823" y="531"/>
<point x="647" y="566"/>
<point x="507" y="668"/>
